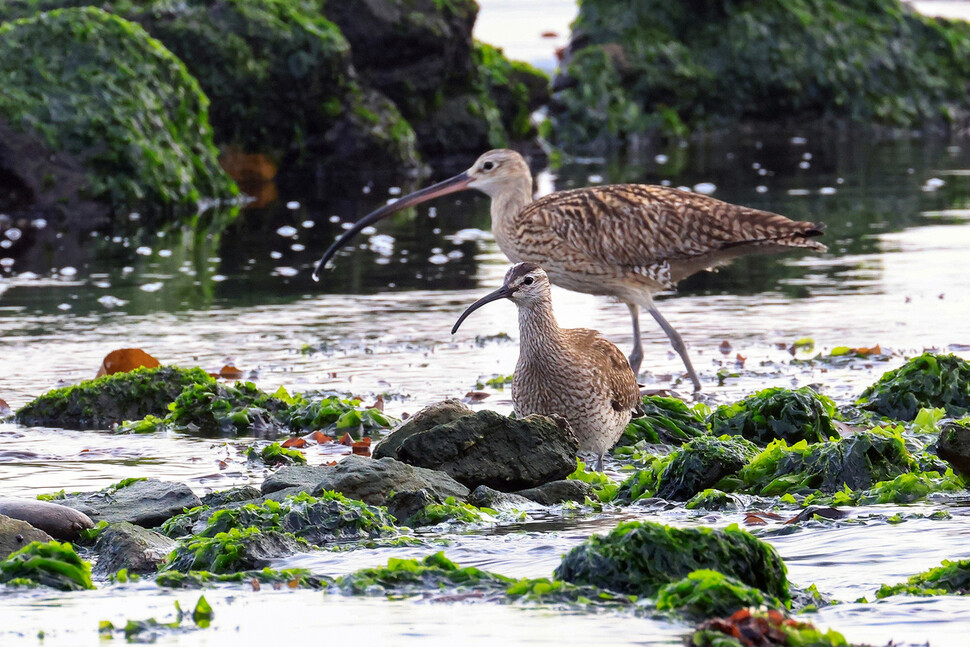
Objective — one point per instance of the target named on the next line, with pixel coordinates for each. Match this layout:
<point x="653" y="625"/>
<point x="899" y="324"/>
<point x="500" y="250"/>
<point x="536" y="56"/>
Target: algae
<point x="927" y="381"/>
<point x="451" y="510"/>
<point x="639" y="557"/>
<point x="665" y="420"/>
<point x="708" y="593"/>
<point x="52" y="564"/>
<point x="777" y="413"/>
<point x="275" y="454"/>
<point x="290" y="577"/>
<point x="431" y="573"/>
<point x="235" y="550"/>
<point x="949" y="578"/>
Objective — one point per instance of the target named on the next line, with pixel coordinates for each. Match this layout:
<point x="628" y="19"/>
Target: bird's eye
<point x="488" y="166"/>
<point x="528" y="280"/>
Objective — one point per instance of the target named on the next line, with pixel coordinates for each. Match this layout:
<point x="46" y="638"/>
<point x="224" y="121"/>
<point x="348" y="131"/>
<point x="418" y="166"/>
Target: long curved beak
<point x="502" y="293"/>
<point x="451" y="185"/>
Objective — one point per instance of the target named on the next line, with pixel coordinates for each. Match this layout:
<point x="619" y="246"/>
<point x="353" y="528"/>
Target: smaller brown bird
<point x="574" y="373"/>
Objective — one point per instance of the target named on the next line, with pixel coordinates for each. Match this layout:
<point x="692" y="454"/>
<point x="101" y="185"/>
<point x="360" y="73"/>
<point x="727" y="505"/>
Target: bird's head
<point x="524" y="283"/>
<point x="493" y="172"/>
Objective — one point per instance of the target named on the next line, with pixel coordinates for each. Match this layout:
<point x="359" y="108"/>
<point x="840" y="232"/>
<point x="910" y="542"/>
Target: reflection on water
<point x="898" y="216"/>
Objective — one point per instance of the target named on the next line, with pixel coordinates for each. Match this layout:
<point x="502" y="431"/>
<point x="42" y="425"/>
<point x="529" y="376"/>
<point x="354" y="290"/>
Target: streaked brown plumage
<point x="627" y="241"/>
<point x="574" y="373"/>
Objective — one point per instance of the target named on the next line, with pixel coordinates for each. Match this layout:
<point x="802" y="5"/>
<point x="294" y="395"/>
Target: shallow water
<point x="898" y="216"/>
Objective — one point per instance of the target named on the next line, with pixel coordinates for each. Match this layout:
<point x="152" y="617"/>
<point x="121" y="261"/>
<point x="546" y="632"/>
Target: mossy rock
<point x="708" y="593"/>
<point x="112" y="399"/>
<point x="678" y="66"/>
<point x="665" y="420"/>
<point x="777" y="413"/>
<point x="433" y="573"/>
<point x="232" y="551"/>
<point x="292" y="577"/>
<point x="950" y="578"/>
<point x="856" y="462"/>
<point x="99" y="90"/>
<point x="50" y="564"/>
<point x="927" y="381"/>
<point x="639" y="557"/>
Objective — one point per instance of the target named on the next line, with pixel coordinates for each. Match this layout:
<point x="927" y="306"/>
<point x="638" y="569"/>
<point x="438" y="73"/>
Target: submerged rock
<point x="131" y="135"/>
<point x="124" y="545"/>
<point x="233" y="551"/>
<point x="791" y="415"/>
<point x="950" y="578"/>
<point x="487" y="448"/>
<point x="145" y="502"/>
<point x="486" y="497"/>
<point x="111" y="399"/>
<point x="439" y="413"/>
<point x="556" y="492"/>
<point x="59" y="521"/>
<point x="50" y="564"/>
<point x="928" y="381"/>
<point x="374" y="481"/>
<point x="639" y="557"/>
<point x="953" y="446"/>
<point x="233" y="495"/>
<point x="433" y="573"/>
<point x="15" y="534"/>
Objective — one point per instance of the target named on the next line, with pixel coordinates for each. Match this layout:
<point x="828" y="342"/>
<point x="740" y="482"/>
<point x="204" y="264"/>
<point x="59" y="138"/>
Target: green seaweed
<point x="707" y="593"/>
<point x="451" y="510"/>
<point x="767" y="628"/>
<point x="927" y="381"/>
<point x="639" y="557"/>
<point x="291" y="577"/>
<point x="433" y="572"/>
<point x="777" y="413"/>
<point x="52" y="564"/>
<point x="711" y="499"/>
<point x="227" y="552"/>
<point x="275" y="454"/>
<point x="548" y="591"/>
<point x="949" y="578"/>
<point x="603" y="486"/>
<point x="666" y="420"/>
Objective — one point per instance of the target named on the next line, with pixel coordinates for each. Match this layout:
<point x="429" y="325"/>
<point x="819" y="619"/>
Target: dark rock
<point x="487" y="448"/>
<point x="233" y="495"/>
<point x="404" y="505"/>
<point x="954" y="446"/>
<point x="701" y="463"/>
<point x="291" y="477"/>
<point x="146" y="503"/>
<point x="373" y="481"/>
<point x="485" y="497"/>
<point x="124" y="545"/>
<point x="15" y="534"/>
<point x="59" y="521"/>
<point x="233" y="551"/>
<point x="439" y="413"/>
<point x="559" y="491"/>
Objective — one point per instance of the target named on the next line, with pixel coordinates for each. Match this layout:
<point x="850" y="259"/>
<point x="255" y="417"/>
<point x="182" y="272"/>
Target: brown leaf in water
<point x="4" y="408"/>
<point x="549" y="34"/>
<point x="822" y="511"/>
<point x="297" y="442"/>
<point x="320" y="437"/>
<point x="866" y="352"/>
<point x="752" y="519"/>
<point x="254" y="583"/>
<point x="346" y="439"/>
<point x="361" y="447"/>
<point x="725" y="347"/>
<point x="230" y="372"/>
<point x="379" y="404"/>
<point x="294" y="583"/>
<point x="123" y="360"/>
<point x="741" y="359"/>
<point x="474" y="396"/>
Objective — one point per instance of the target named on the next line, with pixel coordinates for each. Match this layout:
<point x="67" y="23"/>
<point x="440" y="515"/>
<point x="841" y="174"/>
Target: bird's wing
<point x="622" y="383"/>
<point x="637" y="226"/>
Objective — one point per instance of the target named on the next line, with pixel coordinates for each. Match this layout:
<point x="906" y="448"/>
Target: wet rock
<point x="439" y="413"/>
<point x="111" y="399"/>
<point x="233" y="551"/>
<point x="373" y="481"/>
<point x="485" y="497"/>
<point x="700" y="464"/>
<point x="639" y="557"/>
<point x="404" y="505"/>
<point x="295" y="478"/>
<point x="146" y="502"/>
<point x="15" y="534"/>
<point x="487" y="448"/>
<point x="59" y="521"/>
<point x="559" y="491"/>
<point x="153" y="152"/>
<point x="124" y="545"/>
<point x="791" y="415"/>
<point x="953" y="446"/>
<point x="233" y="495"/>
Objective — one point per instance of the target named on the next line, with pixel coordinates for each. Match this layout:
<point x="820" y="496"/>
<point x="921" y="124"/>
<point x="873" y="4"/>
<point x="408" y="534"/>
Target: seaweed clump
<point x="778" y="413"/>
<point x="639" y="557"/>
<point x="665" y="420"/>
<point x="706" y="593"/>
<point x="52" y="564"/>
<point x="434" y="572"/>
<point x="948" y="578"/>
<point x="928" y="381"/>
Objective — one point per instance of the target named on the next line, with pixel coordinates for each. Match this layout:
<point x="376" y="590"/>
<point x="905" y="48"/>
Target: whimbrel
<point x="628" y="241"/>
<point x="575" y="372"/>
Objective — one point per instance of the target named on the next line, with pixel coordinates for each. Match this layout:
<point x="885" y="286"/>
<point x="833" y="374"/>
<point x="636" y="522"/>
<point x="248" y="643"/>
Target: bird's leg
<point x="678" y="343"/>
<point x="636" y="355"/>
<point x="599" y="463"/>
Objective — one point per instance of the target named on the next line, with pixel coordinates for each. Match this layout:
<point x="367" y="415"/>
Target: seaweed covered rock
<point x="133" y="548"/>
<point x="112" y="399"/>
<point x="233" y="551"/>
<point x="776" y="413"/>
<point x="953" y="445"/>
<point x="665" y="420"/>
<point x="50" y="564"/>
<point x="144" y="502"/>
<point x="949" y="578"/>
<point x="708" y="593"/>
<point x="856" y="462"/>
<point x="639" y="557"/>
<point x="291" y="577"/>
<point x="122" y="120"/>
<point x="328" y="518"/>
<point x="15" y="534"/>
<point x="677" y="66"/>
<point x="433" y="573"/>
<point x="926" y="381"/>
<point x="700" y="464"/>
<point x="769" y="628"/>
<point x="487" y="448"/>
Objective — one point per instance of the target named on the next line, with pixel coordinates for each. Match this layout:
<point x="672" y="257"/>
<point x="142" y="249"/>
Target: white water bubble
<point x="798" y="192"/>
<point x="933" y="184"/>
<point x="368" y="231"/>
<point x="67" y="270"/>
<point x="706" y="188"/>
<point x="381" y="244"/>
<point x="292" y="204"/>
<point x="297" y="247"/>
<point x="134" y="216"/>
<point x="827" y="190"/>
<point x="761" y="188"/>
<point x="219" y="278"/>
<point x="594" y="179"/>
<point x="286" y="231"/>
<point x="286" y="271"/>
<point x="164" y="253"/>
<point x="7" y="263"/>
<point x="151" y="287"/>
<point x="762" y="172"/>
<point x="432" y="212"/>
<point x="660" y="158"/>
<point x="436" y="231"/>
<point x="756" y="166"/>
<point x="39" y="223"/>
<point x="334" y="219"/>
<point x="64" y="307"/>
<point x="394" y="190"/>
<point x="798" y="141"/>
<point x="6" y="244"/>
<point x="366" y="189"/>
<point x="806" y="156"/>
<point x="438" y="259"/>
<point x="803" y="165"/>
<point x="664" y="182"/>
<point x="109" y="301"/>
<point x="455" y="254"/>
<point x="308" y="224"/>
<point x="101" y="284"/>
<point x="143" y="251"/>
<point x="13" y="233"/>
<point x="27" y="276"/>
<point x="276" y="255"/>
<point x="382" y="260"/>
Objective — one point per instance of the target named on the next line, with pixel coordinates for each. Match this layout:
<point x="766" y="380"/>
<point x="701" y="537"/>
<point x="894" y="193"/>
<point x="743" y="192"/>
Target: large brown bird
<point x="627" y="241"/>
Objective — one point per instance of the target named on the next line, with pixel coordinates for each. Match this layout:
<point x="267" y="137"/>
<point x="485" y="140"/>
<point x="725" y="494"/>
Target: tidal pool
<point x="895" y="275"/>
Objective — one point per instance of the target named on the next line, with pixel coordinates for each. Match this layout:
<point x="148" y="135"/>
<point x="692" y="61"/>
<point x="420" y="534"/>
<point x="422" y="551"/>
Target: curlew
<point x="628" y="241"/>
<point x="574" y="373"/>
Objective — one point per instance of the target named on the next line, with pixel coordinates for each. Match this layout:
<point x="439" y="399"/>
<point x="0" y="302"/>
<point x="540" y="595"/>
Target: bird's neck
<point x="506" y="205"/>
<point x="539" y="333"/>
